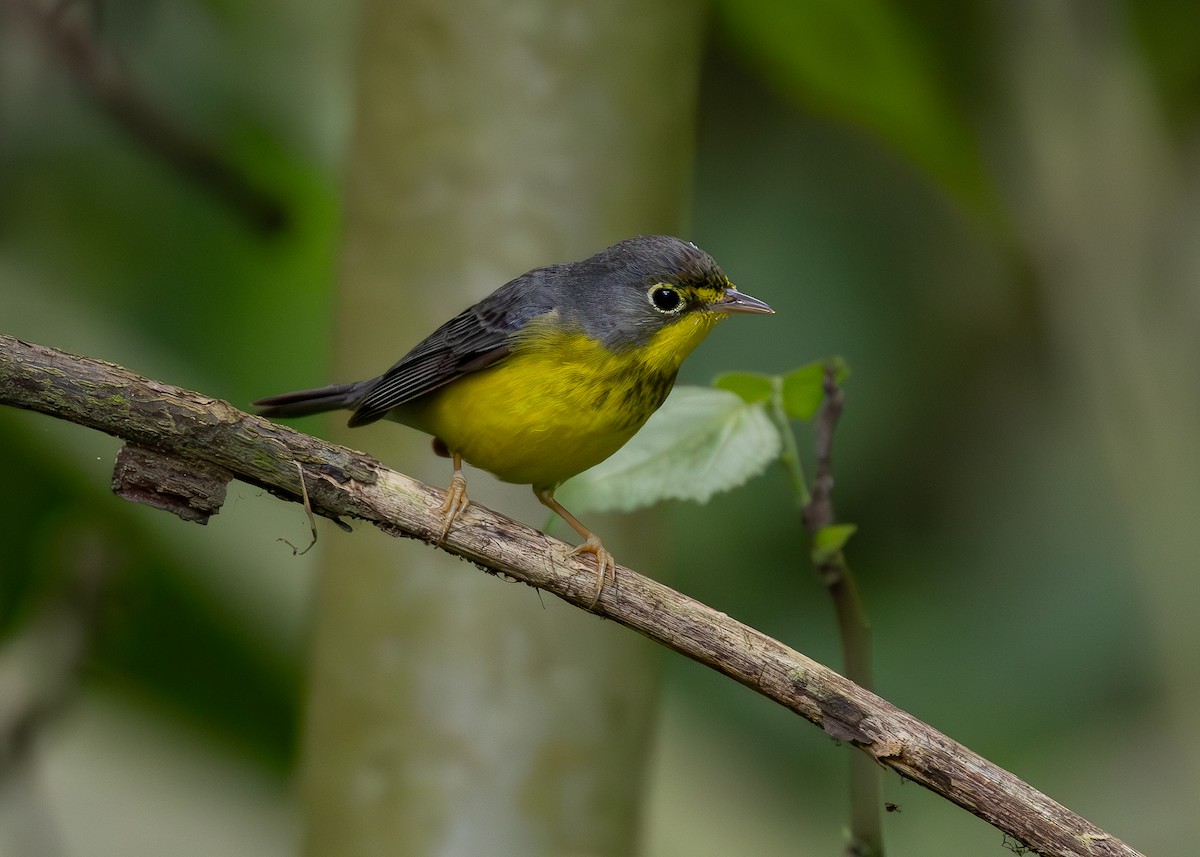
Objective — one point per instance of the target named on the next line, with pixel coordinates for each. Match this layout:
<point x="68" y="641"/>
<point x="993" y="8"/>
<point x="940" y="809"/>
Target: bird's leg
<point x="606" y="566"/>
<point x="456" y="498"/>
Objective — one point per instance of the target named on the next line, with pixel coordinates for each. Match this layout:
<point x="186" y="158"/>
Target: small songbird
<point x="550" y="374"/>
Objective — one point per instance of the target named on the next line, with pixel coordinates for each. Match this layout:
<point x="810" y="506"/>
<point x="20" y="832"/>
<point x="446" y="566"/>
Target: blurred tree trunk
<point x="1109" y="213"/>
<point x="449" y="713"/>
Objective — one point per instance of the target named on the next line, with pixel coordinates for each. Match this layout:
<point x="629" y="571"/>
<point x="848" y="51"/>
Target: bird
<point x="550" y="374"/>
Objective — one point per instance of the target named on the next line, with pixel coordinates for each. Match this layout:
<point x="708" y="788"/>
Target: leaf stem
<point x="790" y="455"/>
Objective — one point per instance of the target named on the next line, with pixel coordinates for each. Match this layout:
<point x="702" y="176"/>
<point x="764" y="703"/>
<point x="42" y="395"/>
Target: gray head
<point x="626" y="293"/>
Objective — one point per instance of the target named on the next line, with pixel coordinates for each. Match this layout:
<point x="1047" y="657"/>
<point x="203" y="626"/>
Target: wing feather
<point x="476" y="338"/>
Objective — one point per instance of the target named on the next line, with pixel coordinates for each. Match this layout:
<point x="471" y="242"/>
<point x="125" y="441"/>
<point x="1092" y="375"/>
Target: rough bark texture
<point x="342" y="483"/>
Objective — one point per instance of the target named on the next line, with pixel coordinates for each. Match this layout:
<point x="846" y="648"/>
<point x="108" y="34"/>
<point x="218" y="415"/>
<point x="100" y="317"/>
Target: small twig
<point x="818" y="512"/>
<point x="196" y="428"/>
<point x="312" y="520"/>
<point x="866" y="830"/>
<point x="68" y="34"/>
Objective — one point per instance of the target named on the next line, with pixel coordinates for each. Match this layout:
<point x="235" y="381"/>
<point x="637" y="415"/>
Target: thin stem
<point x="790" y="456"/>
<point x="866" y="834"/>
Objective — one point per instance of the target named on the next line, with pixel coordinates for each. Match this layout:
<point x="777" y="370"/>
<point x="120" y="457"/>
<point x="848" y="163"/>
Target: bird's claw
<point x="455" y="503"/>
<point x="606" y="566"/>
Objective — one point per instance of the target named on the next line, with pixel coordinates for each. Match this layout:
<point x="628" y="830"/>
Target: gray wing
<point x="474" y="339"/>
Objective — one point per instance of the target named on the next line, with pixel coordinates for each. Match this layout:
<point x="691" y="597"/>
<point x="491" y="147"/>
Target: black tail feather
<point x="304" y="402"/>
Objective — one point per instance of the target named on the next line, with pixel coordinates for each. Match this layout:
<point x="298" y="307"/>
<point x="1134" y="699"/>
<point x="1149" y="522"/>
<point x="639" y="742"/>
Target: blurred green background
<point x="991" y="210"/>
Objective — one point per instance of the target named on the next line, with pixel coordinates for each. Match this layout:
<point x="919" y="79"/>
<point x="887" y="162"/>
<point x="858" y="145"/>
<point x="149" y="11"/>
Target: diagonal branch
<point x="211" y="436"/>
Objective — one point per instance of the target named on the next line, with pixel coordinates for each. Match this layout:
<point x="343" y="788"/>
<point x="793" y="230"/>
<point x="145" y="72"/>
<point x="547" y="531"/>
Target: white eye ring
<point x="665" y="299"/>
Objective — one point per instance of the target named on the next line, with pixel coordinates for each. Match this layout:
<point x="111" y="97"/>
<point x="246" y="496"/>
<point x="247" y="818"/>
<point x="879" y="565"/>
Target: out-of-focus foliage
<point x="867" y="61"/>
<point x="858" y="167"/>
<point x="108" y="250"/>
<point x="1166" y="34"/>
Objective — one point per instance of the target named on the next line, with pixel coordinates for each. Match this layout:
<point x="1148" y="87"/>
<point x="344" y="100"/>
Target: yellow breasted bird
<point x="550" y="374"/>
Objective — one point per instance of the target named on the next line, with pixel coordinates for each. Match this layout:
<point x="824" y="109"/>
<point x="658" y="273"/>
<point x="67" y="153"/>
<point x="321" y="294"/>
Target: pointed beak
<point x="735" y="301"/>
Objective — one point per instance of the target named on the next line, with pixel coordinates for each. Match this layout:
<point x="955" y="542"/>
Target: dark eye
<point x="666" y="299"/>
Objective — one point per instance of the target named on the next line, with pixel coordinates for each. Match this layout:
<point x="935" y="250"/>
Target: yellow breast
<point x="559" y="404"/>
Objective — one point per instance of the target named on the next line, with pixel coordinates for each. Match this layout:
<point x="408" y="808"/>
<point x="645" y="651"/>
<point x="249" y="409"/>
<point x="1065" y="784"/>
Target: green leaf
<point x="751" y="386"/>
<point x="830" y="541"/>
<point x="700" y="442"/>
<point x="804" y="390"/>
